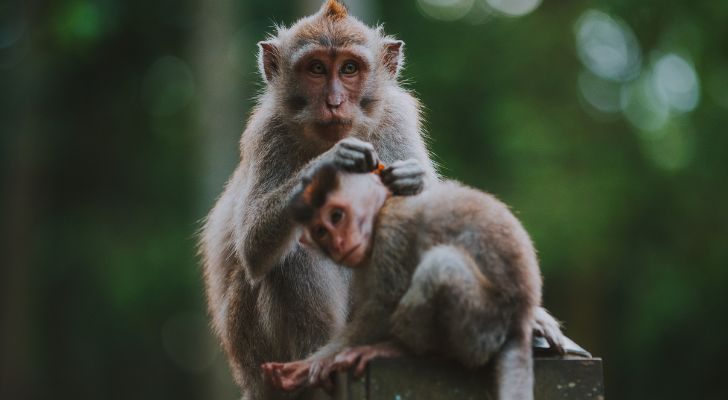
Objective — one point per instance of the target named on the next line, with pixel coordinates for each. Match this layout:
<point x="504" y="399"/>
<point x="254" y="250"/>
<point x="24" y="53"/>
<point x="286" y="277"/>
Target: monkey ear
<point x="268" y="59"/>
<point x="305" y="239"/>
<point x="393" y="56"/>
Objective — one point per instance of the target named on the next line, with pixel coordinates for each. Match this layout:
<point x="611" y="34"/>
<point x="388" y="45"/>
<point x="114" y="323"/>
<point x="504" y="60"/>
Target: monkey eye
<point x="349" y="68"/>
<point x="317" y="67"/>
<point x="336" y="215"/>
<point x="320" y="232"/>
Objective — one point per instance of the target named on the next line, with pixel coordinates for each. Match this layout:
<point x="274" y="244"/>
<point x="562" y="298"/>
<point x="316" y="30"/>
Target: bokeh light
<point x="446" y="10"/>
<point x="607" y="46"/>
<point x="642" y="105"/>
<point x="601" y="94"/>
<point x="168" y="86"/>
<point x="676" y="82"/>
<point x="514" y="8"/>
<point x="672" y="147"/>
<point x="79" y="23"/>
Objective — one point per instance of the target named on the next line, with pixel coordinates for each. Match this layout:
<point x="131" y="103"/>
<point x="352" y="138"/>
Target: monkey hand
<point x="355" y="155"/>
<point x="287" y="376"/>
<point x="404" y="178"/>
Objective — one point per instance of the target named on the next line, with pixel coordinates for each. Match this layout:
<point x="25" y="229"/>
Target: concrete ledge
<point x="425" y="379"/>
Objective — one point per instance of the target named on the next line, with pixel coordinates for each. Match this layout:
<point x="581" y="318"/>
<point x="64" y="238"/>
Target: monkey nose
<point x="339" y="244"/>
<point x="334" y="101"/>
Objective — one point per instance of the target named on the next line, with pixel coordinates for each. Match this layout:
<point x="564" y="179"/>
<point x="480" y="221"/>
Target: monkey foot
<point x="361" y="355"/>
<point x="286" y="376"/>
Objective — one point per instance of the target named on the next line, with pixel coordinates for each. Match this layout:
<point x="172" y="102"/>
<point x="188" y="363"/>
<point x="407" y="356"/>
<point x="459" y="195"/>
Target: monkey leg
<point x="546" y="326"/>
<point x="446" y="309"/>
<point x="514" y="369"/>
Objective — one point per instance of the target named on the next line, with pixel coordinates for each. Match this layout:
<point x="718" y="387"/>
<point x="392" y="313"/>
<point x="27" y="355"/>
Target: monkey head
<point x="328" y="73"/>
<point x="338" y="210"/>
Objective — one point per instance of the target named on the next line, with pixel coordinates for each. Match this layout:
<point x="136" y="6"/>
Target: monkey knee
<point x="443" y="264"/>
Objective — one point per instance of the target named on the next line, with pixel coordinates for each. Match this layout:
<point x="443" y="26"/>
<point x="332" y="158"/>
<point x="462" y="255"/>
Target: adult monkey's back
<point x="328" y="77"/>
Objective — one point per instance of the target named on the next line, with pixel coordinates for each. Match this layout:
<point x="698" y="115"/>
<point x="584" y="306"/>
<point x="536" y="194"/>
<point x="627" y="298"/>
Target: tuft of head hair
<point x="313" y="192"/>
<point x="334" y="10"/>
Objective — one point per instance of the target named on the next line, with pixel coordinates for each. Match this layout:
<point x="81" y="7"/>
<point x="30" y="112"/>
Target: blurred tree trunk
<point x="220" y="117"/>
<point x="19" y="212"/>
<point x="220" y="112"/>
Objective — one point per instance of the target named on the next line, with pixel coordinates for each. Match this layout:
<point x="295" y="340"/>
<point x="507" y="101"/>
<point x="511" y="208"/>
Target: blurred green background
<point x="602" y="123"/>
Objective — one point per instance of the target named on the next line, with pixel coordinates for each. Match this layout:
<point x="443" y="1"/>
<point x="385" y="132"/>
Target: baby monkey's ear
<point x="312" y="192"/>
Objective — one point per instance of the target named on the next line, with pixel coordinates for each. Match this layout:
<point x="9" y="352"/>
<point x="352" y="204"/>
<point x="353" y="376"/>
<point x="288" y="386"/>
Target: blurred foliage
<point x="602" y="123"/>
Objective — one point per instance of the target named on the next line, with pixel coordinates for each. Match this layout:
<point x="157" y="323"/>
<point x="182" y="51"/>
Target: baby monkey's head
<point x="337" y="210"/>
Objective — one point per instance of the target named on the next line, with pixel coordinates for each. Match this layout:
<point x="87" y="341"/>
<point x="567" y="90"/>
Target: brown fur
<point x="335" y="10"/>
<point x="451" y="272"/>
<point x="268" y="297"/>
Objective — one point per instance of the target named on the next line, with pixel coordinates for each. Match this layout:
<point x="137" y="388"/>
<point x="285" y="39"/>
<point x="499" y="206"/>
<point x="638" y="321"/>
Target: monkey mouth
<point x="348" y="254"/>
<point x="335" y="122"/>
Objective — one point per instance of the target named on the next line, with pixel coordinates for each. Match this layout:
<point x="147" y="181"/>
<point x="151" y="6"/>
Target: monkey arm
<point x="267" y="232"/>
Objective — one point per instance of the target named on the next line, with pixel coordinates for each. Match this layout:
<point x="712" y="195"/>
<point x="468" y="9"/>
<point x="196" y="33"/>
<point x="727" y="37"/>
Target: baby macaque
<point x="449" y="271"/>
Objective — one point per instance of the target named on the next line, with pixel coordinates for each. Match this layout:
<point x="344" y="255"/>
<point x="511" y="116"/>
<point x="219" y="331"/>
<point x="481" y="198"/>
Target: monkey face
<point x="342" y="227"/>
<point x="327" y="73"/>
<point x="331" y="81"/>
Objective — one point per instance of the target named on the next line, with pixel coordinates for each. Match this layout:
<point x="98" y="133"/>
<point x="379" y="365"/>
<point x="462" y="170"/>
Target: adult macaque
<point x="450" y="271"/>
<point x="330" y="80"/>
<point x="328" y="77"/>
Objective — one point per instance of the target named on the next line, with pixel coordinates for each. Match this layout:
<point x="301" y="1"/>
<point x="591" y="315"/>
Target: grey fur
<point x="269" y="298"/>
<point x="451" y="272"/>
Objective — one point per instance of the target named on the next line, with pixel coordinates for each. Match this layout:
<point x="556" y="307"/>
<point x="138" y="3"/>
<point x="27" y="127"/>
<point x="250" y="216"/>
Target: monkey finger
<point x="313" y="373"/>
<point x="365" y="149"/>
<point x="395" y="176"/>
<point x="391" y="173"/>
<point x="406" y="186"/>
<point x="361" y="366"/>
<point x="346" y="164"/>
<point x="356" y="144"/>
<point x="346" y="358"/>
<point x="351" y="160"/>
<point x="326" y="371"/>
<point x="276" y="379"/>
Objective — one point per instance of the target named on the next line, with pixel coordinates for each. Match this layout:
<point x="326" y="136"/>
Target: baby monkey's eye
<point x="336" y="215"/>
<point x="349" y="68"/>
<point x="320" y="232"/>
